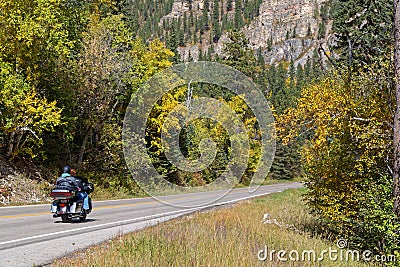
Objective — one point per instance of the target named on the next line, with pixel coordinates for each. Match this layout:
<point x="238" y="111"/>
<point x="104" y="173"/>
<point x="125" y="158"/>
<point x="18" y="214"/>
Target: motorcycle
<point x="67" y="205"/>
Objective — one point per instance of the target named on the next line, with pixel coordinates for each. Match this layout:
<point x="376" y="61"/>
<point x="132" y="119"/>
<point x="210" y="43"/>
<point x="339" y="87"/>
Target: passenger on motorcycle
<point x="67" y="180"/>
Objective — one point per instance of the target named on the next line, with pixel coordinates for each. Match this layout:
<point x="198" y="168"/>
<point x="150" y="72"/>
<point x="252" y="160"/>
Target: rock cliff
<point x="283" y="29"/>
<point x="290" y="26"/>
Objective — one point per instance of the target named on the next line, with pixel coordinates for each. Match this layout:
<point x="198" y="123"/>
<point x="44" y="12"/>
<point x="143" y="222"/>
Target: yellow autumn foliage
<point x="347" y="125"/>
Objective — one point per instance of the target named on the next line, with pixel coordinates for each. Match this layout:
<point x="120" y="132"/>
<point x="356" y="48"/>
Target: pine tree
<point x="307" y="70"/>
<point x="194" y="37"/>
<point x="224" y="24"/>
<point x="309" y="32"/>
<point x="238" y="14"/>
<point x="292" y="72"/>
<point x="185" y="22"/>
<point x="238" y="54"/>
<point x="321" y="30"/>
<point x="204" y="19"/>
<point x="299" y="79"/>
<point x="269" y="43"/>
<point x="216" y="29"/>
<point x="363" y="31"/>
<point x="191" y="19"/>
<point x="210" y="52"/>
<point x="260" y="59"/>
<point x="201" y="57"/>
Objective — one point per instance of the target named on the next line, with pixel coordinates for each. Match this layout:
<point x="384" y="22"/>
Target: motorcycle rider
<point x="86" y="188"/>
<point x="69" y="181"/>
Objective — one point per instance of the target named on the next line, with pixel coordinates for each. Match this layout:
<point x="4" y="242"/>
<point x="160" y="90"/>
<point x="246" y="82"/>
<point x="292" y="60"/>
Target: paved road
<point x="30" y="236"/>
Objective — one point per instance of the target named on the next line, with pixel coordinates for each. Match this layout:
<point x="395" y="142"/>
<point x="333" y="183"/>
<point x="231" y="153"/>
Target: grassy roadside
<point x="224" y="237"/>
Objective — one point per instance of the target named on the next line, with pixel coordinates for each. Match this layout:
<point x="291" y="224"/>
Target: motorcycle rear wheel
<point x="65" y="218"/>
<point x="82" y="218"/>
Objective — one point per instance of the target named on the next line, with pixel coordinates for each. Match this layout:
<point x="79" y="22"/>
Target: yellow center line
<point x="97" y="208"/>
<point x="23" y="215"/>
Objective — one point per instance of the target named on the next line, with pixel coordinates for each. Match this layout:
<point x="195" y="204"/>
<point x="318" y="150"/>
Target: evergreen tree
<point x="307" y="70"/>
<point x="180" y="34"/>
<point x="363" y="31"/>
<point x="238" y="15"/>
<point x="204" y="19"/>
<point x="191" y="19"/>
<point x="224" y="24"/>
<point x="260" y="59"/>
<point x="210" y="52"/>
<point x="321" y="30"/>
<point x="292" y="72"/>
<point x="238" y="54"/>
<point x="216" y="29"/>
<point x="286" y="164"/>
<point x="300" y="80"/>
<point x="185" y="22"/>
<point x="201" y="57"/>
<point x="194" y="37"/>
<point x="309" y="32"/>
<point x="269" y="43"/>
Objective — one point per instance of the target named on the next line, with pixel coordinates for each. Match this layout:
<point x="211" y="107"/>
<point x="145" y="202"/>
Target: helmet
<point x="67" y="169"/>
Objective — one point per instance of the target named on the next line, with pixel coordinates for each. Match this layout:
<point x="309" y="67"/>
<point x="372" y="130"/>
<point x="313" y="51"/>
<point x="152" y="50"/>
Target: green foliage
<point x="363" y="31"/>
<point x="24" y="115"/>
<point x="321" y="31"/>
<point x="216" y="29"/>
<point x="238" y="18"/>
<point x="32" y="33"/>
<point x="238" y="54"/>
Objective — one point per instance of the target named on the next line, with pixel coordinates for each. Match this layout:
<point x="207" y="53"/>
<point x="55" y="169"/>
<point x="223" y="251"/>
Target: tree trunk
<point x="83" y="146"/>
<point x="396" y="125"/>
<point x="10" y="149"/>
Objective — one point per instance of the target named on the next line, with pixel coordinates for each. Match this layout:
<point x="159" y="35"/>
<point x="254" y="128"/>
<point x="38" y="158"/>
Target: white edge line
<point x="118" y="223"/>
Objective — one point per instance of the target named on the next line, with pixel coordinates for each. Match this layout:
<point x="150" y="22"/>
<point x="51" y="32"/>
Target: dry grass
<point x="224" y="237"/>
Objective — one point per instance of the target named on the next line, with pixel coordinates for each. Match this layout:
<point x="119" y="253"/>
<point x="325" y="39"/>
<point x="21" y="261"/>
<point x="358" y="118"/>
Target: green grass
<point x="223" y="237"/>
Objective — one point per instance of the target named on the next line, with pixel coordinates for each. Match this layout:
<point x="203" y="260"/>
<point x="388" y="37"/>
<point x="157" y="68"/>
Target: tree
<point x="36" y="38"/>
<point x="238" y="15"/>
<point x="204" y="19"/>
<point x="216" y="28"/>
<point x="321" y="30"/>
<point x="24" y="115"/>
<point x="238" y="54"/>
<point x="35" y="33"/>
<point x="104" y="65"/>
<point x="347" y="157"/>
<point x="361" y="32"/>
<point x="396" y="124"/>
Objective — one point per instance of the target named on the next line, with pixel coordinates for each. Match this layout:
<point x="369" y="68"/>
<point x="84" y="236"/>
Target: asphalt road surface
<point x="30" y="236"/>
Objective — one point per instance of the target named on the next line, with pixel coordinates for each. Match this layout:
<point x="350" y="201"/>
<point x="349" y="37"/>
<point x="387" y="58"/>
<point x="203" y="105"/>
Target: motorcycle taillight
<point x="62" y="194"/>
<point x="62" y="205"/>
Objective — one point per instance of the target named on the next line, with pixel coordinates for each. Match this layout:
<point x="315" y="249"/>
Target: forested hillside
<point x="68" y="70"/>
